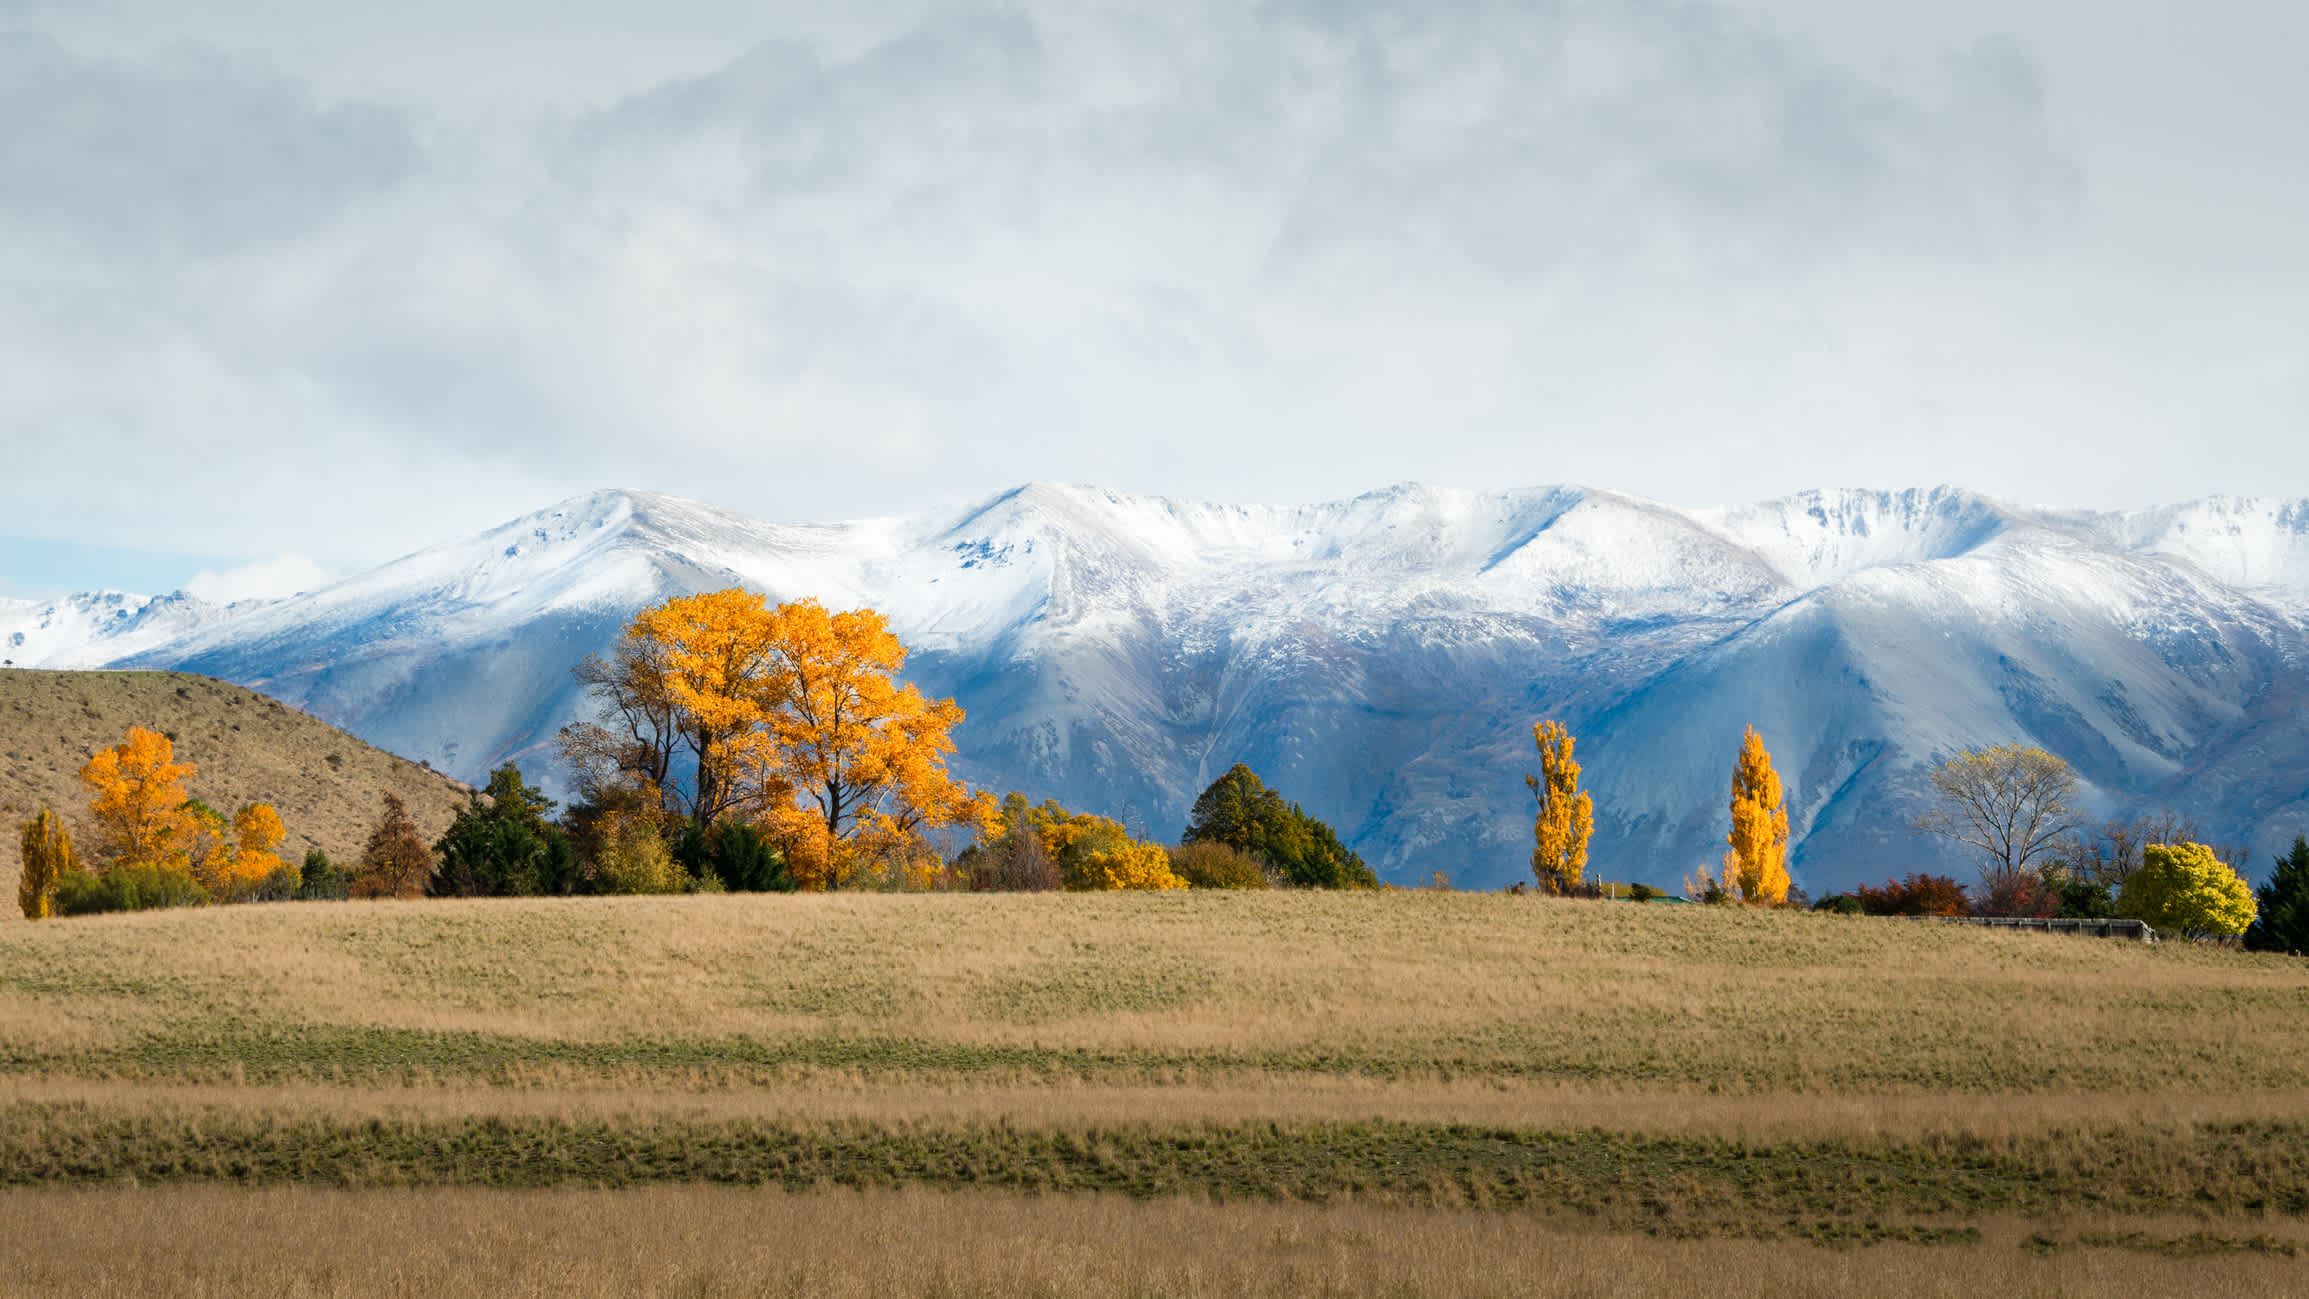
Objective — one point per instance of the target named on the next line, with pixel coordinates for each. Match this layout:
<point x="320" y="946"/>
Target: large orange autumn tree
<point x="139" y="803"/>
<point x="791" y="718"/>
<point x="144" y="819"/>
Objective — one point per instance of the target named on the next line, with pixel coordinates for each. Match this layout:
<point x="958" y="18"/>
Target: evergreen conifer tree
<point x="2283" y="923"/>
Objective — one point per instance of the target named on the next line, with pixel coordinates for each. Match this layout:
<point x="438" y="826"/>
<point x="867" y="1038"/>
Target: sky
<point x="289" y="290"/>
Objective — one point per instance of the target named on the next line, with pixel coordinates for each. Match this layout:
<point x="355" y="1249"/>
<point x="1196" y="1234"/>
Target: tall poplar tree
<point x="48" y="857"/>
<point x="1566" y="814"/>
<point x="1756" y="867"/>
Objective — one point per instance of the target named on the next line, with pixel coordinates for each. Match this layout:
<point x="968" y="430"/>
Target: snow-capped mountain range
<point x="1382" y="659"/>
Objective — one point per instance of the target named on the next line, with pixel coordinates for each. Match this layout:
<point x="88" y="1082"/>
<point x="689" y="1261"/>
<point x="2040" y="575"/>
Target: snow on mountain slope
<point x="1382" y="659"/>
<point x="92" y="628"/>
<point x="2254" y="545"/>
<point x="1814" y="538"/>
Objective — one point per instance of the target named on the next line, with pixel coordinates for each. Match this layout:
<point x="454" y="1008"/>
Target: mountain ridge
<point x="1381" y="658"/>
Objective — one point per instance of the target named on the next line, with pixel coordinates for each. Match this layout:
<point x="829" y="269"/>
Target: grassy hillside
<point x="250" y="748"/>
<point x="1367" y="987"/>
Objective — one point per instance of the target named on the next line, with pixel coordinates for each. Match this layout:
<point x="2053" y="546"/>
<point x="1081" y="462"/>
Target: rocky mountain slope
<point x="1382" y="659"/>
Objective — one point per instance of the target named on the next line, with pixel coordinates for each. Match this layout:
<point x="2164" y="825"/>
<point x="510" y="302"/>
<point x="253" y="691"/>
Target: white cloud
<point x="854" y="263"/>
<point x="265" y="579"/>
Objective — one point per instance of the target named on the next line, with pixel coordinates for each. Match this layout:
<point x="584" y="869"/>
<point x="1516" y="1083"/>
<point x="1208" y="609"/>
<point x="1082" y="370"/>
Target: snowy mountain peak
<point x="2255" y="543"/>
<point x="1815" y="538"/>
<point x="1382" y="658"/>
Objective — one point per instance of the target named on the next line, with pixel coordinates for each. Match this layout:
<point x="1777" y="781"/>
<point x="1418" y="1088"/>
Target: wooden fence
<point x="2136" y="930"/>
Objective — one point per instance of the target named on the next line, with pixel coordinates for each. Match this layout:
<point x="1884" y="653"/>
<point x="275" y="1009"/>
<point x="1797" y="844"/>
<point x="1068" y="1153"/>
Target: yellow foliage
<point x="139" y="803"/>
<point x="1132" y="866"/>
<point x="2185" y="889"/>
<point x="796" y="717"/>
<point x="1756" y="868"/>
<point x="48" y="857"/>
<point x="1094" y="853"/>
<point x="634" y="858"/>
<point x="257" y="835"/>
<point x="1566" y="814"/>
<point x="710" y="658"/>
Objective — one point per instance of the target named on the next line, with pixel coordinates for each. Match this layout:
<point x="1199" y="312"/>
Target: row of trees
<point x="2015" y="807"/>
<point x="153" y="843"/>
<point x="777" y="744"/>
<point x="737" y="745"/>
<point x="1754" y="869"/>
<point x="507" y="843"/>
<point x="734" y="746"/>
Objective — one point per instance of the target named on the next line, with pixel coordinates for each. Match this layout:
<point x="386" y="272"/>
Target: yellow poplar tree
<point x="139" y="803"/>
<point x="1756" y="868"/>
<point x="1566" y="814"/>
<point x="48" y="857"/>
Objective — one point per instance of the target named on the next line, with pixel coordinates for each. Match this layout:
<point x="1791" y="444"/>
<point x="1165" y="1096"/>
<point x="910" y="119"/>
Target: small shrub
<point x="1642" y="893"/>
<point x="125" y="887"/>
<point x="1841" y="904"/>
<point x="742" y="858"/>
<point x="1916" y="894"/>
<point x="2083" y="899"/>
<point x="2018" y="895"/>
<point x="634" y="859"/>
<point x="1209" y="864"/>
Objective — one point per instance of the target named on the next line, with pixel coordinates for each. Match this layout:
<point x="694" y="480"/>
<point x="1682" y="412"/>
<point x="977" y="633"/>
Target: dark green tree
<point x="320" y="881"/>
<point x="735" y="852"/>
<point x="2283" y="922"/>
<point x="1239" y="811"/>
<point x="503" y="847"/>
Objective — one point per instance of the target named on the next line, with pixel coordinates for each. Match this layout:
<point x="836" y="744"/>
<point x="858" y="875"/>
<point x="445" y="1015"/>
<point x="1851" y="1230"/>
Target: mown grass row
<point x="273" y="1052"/>
<point x="1666" y="1184"/>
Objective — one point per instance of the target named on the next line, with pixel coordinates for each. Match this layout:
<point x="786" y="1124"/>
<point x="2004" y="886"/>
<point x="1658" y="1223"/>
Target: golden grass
<point x="1202" y="988"/>
<point x="1587" y="1070"/>
<point x="691" y="1241"/>
<point x="250" y="749"/>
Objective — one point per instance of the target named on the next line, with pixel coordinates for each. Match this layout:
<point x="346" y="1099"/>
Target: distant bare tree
<point x="2107" y="855"/>
<point x="2011" y="804"/>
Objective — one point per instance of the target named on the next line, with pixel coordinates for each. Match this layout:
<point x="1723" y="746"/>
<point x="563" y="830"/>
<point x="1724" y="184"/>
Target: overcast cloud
<point x="339" y="282"/>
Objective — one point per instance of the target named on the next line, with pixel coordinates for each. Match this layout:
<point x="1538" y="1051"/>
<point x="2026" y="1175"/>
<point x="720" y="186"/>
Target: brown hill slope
<point x="327" y="786"/>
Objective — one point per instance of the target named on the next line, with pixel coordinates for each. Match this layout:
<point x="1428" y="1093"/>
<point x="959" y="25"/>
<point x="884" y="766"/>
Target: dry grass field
<point x="249" y="748"/>
<point x="1245" y="1093"/>
<point x="700" y="1242"/>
